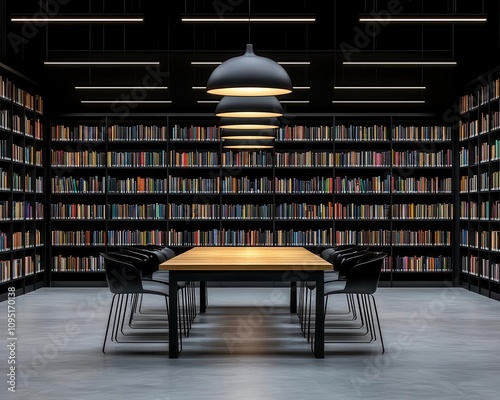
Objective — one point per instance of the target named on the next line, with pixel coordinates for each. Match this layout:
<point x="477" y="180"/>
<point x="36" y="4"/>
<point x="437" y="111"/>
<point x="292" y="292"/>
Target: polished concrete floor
<point x="441" y="344"/>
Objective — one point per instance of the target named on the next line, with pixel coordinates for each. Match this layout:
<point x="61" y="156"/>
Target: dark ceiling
<point x="335" y="37"/>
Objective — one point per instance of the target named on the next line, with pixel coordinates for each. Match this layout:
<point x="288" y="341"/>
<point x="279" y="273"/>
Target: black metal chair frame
<point x="305" y="295"/>
<point x="125" y="282"/>
<point x="361" y="282"/>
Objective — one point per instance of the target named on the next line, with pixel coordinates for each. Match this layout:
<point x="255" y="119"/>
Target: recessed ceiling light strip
<point x="279" y="62"/>
<point x="294" y="62"/>
<point x="99" y="63"/>
<point x="379" y="88"/>
<point x="89" y="19"/>
<point x="378" y="101"/>
<point x="126" y="101"/>
<point x="429" y="18"/>
<point x="295" y="87"/>
<point x="121" y="87"/>
<point x="246" y="19"/>
<point x="400" y="63"/>
<point x="123" y="63"/>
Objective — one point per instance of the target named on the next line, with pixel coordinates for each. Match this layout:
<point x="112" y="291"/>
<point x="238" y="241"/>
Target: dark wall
<point x="335" y="37"/>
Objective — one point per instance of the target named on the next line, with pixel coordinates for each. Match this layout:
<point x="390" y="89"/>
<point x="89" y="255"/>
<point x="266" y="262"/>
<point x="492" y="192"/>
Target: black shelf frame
<point x="273" y="224"/>
<point x="24" y="281"/>
<point x="480" y="281"/>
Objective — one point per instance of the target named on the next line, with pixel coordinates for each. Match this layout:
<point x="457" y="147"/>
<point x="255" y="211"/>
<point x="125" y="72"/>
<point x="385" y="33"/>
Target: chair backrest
<point x="122" y="277"/>
<point x="160" y="257"/>
<point x="345" y="262"/>
<point x="363" y="278"/>
<point x="325" y="254"/>
<point x="149" y="262"/>
<point x="140" y="249"/>
<point x="344" y="251"/>
<point x="337" y="250"/>
<point x="168" y="253"/>
<point x="135" y="259"/>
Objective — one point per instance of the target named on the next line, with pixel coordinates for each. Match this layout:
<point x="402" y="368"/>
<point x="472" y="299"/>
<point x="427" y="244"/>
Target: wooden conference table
<point x="274" y="264"/>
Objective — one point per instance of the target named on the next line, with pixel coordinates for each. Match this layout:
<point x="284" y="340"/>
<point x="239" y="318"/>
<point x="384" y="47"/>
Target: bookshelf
<point x="380" y="180"/>
<point x="479" y="186"/>
<point x="22" y="184"/>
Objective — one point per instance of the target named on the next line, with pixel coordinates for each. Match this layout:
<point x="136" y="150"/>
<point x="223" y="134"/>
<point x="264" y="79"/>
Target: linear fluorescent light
<point x="78" y="19"/>
<point x="295" y="87"/>
<point x="102" y="63"/>
<point x="206" y="62"/>
<point x="294" y="101"/>
<point x="379" y="88"/>
<point x="424" y="19"/>
<point x="120" y="87"/>
<point x="126" y="101"/>
<point x="279" y="62"/>
<point x="378" y="101"/>
<point x="400" y="63"/>
<point x="246" y="19"/>
<point x="208" y="101"/>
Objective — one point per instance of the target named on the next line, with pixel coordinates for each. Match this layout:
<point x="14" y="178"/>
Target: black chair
<point x="188" y="287"/>
<point x="153" y="256"/>
<point x="342" y="259"/>
<point x="362" y="282"/>
<point x="125" y="282"/>
<point x="160" y="254"/>
<point x="334" y="256"/>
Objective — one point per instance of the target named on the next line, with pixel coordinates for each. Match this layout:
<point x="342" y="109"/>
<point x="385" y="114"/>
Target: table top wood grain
<point x="247" y="259"/>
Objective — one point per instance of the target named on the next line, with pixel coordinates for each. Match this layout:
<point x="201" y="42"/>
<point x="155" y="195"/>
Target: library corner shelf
<point x="479" y="185"/>
<point x="22" y="184"/>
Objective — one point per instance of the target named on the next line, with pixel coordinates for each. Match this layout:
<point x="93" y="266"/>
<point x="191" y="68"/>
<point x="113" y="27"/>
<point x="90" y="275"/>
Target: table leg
<point x="203" y="297"/>
<point x="293" y="297"/>
<point x="319" y="329"/>
<point x="173" y="339"/>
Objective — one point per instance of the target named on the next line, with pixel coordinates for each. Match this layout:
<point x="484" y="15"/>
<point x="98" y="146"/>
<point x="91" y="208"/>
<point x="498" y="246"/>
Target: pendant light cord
<point x="249" y="14"/>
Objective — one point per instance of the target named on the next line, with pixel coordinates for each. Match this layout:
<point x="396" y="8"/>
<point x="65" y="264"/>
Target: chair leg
<point x="107" y="326"/>
<point x="365" y="316"/>
<point x="124" y="314"/>
<point x="184" y="314"/>
<point x="140" y="303"/>
<point x="192" y="300"/>
<point x="116" y="320"/>
<point x="378" y="323"/>
<point x="299" y="301"/>
<point x="306" y="313"/>
<point x="133" y="309"/>
<point x="309" y="317"/>
<point x="352" y="306"/>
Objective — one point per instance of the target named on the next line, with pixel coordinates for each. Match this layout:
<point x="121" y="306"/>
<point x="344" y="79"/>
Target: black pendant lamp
<point x="248" y="144"/>
<point x="249" y="107"/>
<point x="247" y="134"/>
<point x="249" y="75"/>
<point x="249" y="123"/>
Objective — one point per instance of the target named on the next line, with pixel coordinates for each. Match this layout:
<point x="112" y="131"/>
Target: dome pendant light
<point x="249" y="123"/>
<point x="247" y="134"/>
<point x="249" y="107"/>
<point x="243" y="144"/>
<point x="249" y="75"/>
